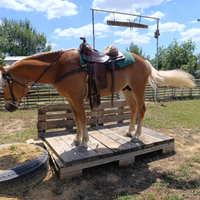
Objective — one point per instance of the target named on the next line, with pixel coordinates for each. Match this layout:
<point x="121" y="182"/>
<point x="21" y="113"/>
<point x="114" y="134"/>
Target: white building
<point x="11" y="59"/>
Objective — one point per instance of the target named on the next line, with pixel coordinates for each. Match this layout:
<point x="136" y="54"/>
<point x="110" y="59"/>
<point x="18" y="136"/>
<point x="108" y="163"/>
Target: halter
<point x="10" y="84"/>
<point x="14" y="100"/>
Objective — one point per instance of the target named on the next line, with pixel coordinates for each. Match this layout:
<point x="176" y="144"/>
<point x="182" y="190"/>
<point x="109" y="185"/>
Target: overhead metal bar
<point x="123" y="13"/>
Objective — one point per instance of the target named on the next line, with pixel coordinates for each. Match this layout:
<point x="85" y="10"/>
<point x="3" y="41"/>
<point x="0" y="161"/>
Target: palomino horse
<point x="14" y="81"/>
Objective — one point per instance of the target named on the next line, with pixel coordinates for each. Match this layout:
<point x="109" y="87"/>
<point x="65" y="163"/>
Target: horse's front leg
<point x="78" y="137"/>
<point x="82" y="137"/>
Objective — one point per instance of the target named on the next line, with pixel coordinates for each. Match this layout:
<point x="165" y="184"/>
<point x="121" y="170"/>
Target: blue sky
<point x="64" y="21"/>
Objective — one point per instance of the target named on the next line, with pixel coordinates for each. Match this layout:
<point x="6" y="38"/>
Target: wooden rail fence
<point x="47" y="93"/>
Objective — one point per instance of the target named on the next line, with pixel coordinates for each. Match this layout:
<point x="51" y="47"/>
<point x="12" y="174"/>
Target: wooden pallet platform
<point x="107" y="144"/>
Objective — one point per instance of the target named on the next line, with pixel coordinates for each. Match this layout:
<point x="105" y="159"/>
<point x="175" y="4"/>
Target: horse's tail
<point x="175" y="78"/>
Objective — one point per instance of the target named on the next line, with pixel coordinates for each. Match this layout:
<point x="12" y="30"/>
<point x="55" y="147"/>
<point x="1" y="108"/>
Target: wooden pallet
<point x="106" y="144"/>
<point x="106" y="129"/>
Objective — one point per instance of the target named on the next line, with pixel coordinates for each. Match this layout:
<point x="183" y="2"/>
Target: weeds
<point x="12" y="147"/>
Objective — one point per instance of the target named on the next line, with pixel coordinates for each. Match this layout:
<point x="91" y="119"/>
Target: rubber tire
<point x="24" y="177"/>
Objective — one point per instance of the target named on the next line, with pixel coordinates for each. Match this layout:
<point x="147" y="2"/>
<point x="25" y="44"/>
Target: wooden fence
<point x="47" y="93"/>
<point x="41" y="93"/>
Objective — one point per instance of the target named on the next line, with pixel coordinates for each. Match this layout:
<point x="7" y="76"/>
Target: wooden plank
<point x="127" y="161"/>
<point x="114" y="118"/>
<point x="126" y="24"/>
<point x="98" y="147"/>
<point x="56" y="107"/>
<point x="169" y="148"/>
<point x="108" y="142"/>
<point x="146" y="139"/>
<point x="157" y="134"/>
<point x="69" y="175"/>
<point x="87" y="156"/>
<point x="63" y="124"/>
<point x="59" y="116"/>
<point x="118" y="103"/>
<point x="113" y="158"/>
<point x="62" y="150"/>
<point x="118" y="138"/>
<point x="51" y="156"/>
<point x="114" y="111"/>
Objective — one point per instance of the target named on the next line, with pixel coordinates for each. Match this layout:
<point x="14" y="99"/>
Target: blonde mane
<point x="38" y="55"/>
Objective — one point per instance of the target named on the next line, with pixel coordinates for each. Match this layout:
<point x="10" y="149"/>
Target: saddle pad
<point x="128" y="60"/>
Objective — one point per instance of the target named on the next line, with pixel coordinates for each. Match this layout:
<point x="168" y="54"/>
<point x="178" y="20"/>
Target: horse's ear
<point x="2" y="69"/>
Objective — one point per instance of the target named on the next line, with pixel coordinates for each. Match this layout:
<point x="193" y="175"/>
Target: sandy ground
<point x="17" y="154"/>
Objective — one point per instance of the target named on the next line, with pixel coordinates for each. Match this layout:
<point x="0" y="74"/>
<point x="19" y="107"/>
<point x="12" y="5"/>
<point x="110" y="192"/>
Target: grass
<point x="13" y="147"/>
<point x="173" y="114"/>
<point x="28" y="117"/>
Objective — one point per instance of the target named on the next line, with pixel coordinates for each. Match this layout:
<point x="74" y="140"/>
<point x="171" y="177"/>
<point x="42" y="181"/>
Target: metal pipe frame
<point x="97" y="10"/>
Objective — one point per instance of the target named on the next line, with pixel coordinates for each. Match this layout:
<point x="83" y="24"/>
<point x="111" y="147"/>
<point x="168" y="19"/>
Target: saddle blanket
<point x="128" y="60"/>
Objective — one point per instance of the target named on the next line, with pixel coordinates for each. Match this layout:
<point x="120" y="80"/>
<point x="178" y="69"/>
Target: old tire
<point x="24" y="177"/>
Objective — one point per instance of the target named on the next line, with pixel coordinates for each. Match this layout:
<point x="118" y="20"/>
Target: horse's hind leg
<point x="78" y="137"/>
<point x="139" y="99"/>
<point x="82" y="137"/>
<point x="133" y="108"/>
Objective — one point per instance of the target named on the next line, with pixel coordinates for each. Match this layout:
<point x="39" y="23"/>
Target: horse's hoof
<point x="82" y="149"/>
<point x="135" y="140"/>
<point x="128" y="134"/>
<point x="76" y="143"/>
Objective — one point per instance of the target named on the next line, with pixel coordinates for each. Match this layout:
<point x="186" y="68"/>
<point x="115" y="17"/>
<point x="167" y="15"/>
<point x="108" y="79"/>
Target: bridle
<point x="10" y="81"/>
<point x="16" y="101"/>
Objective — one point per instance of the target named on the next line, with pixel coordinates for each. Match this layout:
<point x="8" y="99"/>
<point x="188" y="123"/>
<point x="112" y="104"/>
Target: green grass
<point x="13" y="147"/>
<point x="173" y="114"/>
<point x="20" y="114"/>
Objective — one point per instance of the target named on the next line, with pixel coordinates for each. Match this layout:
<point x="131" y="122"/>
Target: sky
<point x="65" y="21"/>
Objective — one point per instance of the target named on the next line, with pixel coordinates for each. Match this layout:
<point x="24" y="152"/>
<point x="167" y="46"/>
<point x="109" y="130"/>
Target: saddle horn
<point x="86" y="47"/>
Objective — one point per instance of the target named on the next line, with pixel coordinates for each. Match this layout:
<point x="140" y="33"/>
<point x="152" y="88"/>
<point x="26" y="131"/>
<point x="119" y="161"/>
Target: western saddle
<point x="96" y="63"/>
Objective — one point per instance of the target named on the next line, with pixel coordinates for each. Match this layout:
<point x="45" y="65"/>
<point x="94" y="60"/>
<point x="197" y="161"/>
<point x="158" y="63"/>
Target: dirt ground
<point x="112" y="182"/>
<point x="17" y="154"/>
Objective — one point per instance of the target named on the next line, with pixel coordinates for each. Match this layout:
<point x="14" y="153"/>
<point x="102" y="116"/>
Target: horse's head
<point x="13" y="87"/>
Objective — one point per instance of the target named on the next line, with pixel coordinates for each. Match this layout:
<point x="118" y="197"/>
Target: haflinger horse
<point x="36" y="68"/>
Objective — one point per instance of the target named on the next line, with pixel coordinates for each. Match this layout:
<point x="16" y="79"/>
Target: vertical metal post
<point x="157" y="45"/>
<point x="93" y="29"/>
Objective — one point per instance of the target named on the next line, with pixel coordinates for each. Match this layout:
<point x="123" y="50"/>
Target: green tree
<point x="2" y="57"/>
<point x="160" y="55"/>
<point x="197" y="72"/>
<point x="181" y="56"/>
<point x="21" y="39"/>
<point x="137" y="50"/>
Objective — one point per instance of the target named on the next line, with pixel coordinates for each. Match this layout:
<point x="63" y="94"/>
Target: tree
<point x="181" y="56"/>
<point x="135" y="49"/>
<point x="21" y="39"/>
<point x="2" y="57"/>
<point x="197" y="72"/>
<point x="160" y="55"/>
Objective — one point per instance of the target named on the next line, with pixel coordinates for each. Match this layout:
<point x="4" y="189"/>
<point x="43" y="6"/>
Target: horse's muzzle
<point x="10" y="107"/>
